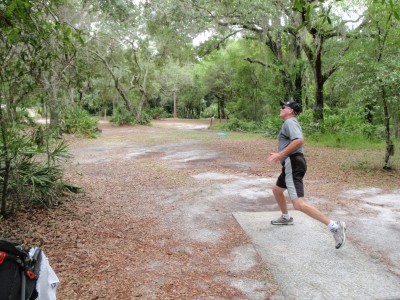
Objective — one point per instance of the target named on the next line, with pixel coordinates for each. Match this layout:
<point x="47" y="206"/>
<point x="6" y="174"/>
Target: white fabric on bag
<point x="48" y="281"/>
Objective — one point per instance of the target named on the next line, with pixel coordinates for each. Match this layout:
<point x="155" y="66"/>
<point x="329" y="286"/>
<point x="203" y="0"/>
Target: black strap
<point x="14" y="249"/>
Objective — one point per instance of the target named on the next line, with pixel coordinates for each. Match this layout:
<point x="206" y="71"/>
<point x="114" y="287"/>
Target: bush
<point x="375" y="132"/>
<point x="309" y="126"/>
<point x="271" y="126"/>
<point x="78" y="121"/>
<point x="121" y="116"/>
<point x="32" y="172"/>
<point x="235" y="124"/>
<point x="342" y="124"/>
<point x="210" y="112"/>
<point x="40" y="184"/>
<point x="146" y="118"/>
<point x="157" y="113"/>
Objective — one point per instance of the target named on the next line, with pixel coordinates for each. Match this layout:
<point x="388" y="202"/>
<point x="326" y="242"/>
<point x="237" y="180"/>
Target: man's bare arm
<point x="277" y="156"/>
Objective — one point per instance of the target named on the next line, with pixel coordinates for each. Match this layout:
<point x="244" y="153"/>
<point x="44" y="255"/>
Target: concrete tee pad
<point x="303" y="259"/>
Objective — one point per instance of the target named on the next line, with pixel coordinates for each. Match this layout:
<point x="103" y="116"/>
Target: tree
<point x="26" y="29"/>
<point x="175" y="82"/>
<point x="318" y="24"/>
<point x="384" y="27"/>
<point x="107" y="23"/>
<point x="260" y="20"/>
<point x="367" y="77"/>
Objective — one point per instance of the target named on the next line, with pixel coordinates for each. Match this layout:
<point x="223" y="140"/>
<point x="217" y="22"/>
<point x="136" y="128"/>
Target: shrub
<point x="235" y="124"/>
<point x="39" y="183"/>
<point x="271" y="126"/>
<point x="342" y="124"/>
<point x="78" y="121"/>
<point x="32" y="172"/>
<point x="121" y="116"/>
<point x="146" y="118"/>
<point x="157" y="113"/>
<point x="210" y="112"/>
<point x="308" y="124"/>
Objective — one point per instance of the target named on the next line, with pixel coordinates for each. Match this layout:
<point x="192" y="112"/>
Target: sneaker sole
<point x="281" y="223"/>
<point x="344" y="236"/>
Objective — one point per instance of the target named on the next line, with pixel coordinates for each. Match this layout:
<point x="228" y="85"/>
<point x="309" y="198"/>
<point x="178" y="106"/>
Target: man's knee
<point x="277" y="190"/>
<point x="298" y="204"/>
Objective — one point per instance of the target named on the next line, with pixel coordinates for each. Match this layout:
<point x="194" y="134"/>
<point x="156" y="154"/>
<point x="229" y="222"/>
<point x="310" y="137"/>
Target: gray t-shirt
<point x="290" y="131"/>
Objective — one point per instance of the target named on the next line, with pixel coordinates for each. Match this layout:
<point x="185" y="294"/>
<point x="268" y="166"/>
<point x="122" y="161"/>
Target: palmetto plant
<point x="30" y="167"/>
<point x="78" y="121"/>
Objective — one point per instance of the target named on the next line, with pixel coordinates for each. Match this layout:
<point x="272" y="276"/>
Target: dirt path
<point x="156" y="222"/>
<point x="150" y="229"/>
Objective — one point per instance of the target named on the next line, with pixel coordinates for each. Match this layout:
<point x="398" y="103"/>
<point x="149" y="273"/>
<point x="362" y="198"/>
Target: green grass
<point x="346" y="141"/>
<point x="373" y="150"/>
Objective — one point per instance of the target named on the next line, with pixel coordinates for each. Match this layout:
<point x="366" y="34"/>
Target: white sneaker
<point x="339" y="234"/>
<point x="282" y="221"/>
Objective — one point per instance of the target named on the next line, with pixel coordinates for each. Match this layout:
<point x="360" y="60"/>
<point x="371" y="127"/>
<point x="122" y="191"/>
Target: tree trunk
<point x="319" y="100"/>
<point x="50" y="83"/>
<point x="123" y="94"/>
<point x="118" y="86"/>
<point x="298" y="80"/>
<point x="319" y="80"/>
<point x="7" y="163"/>
<point x="143" y="99"/>
<point x="55" y="120"/>
<point x="389" y="143"/>
<point x="221" y="106"/>
<point x="174" y="103"/>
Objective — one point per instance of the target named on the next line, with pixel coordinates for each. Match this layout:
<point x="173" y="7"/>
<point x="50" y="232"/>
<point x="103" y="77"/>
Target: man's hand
<point x="275" y="157"/>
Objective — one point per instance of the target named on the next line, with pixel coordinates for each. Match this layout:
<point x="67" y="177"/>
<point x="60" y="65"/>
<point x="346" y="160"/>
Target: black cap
<point x="293" y="105"/>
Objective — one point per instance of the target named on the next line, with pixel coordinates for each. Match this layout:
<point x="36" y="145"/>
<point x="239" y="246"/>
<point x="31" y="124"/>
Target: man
<point x="294" y="167"/>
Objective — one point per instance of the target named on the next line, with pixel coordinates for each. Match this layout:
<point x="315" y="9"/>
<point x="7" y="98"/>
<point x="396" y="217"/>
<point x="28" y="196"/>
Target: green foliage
<point x="78" y="121"/>
<point x="37" y="50"/>
<point x="344" y="140"/>
<point x="338" y="130"/>
<point x="308" y="124"/>
<point x="156" y="113"/>
<point x="31" y="170"/>
<point x="39" y="183"/>
<point x="122" y="116"/>
<point x="146" y="118"/>
<point x="341" y="123"/>
<point x="244" y="89"/>
<point x="344" y="129"/>
<point x="235" y="124"/>
<point x="210" y="112"/>
<point x="271" y="126"/>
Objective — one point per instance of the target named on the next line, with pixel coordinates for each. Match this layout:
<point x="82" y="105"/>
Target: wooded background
<point x="68" y="60"/>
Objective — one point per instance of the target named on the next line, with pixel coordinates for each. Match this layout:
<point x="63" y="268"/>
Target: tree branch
<point x="256" y="61"/>
<point x="251" y="27"/>
<point x="118" y="86"/>
<point x="334" y="67"/>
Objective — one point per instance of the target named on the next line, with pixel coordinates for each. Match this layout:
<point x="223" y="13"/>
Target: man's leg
<point x="280" y="198"/>
<point x="339" y="229"/>
<point x="295" y="169"/>
<point x="310" y="210"/>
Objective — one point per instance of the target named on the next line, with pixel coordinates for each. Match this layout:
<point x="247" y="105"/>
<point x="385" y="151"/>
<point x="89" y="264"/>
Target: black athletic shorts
<point x="293" y="170"/>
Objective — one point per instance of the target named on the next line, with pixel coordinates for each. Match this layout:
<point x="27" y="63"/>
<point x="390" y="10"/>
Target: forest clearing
<point x="155" y="218"/>
<point x="150" y="177"/>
